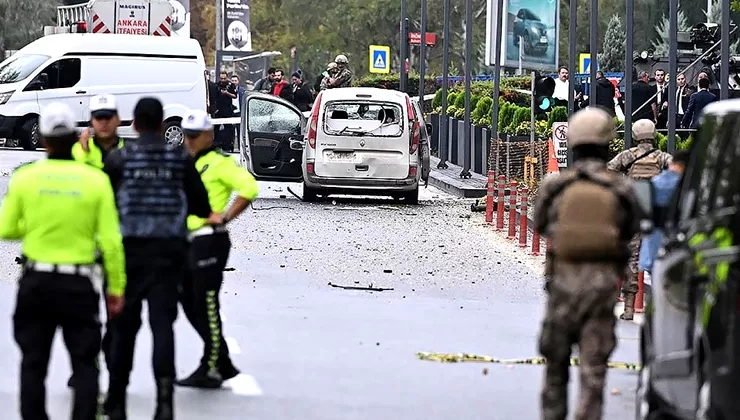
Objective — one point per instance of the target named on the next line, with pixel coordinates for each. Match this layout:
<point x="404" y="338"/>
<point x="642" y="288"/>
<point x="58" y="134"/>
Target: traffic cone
<point x="552" y="159"/>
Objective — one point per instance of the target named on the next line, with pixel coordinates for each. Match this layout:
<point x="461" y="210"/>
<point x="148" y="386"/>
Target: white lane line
<point x="244" y="385"/>
<point x="233" y="345"/>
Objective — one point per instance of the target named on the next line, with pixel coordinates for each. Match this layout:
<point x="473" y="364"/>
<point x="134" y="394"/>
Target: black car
<point x="690" y="340"/>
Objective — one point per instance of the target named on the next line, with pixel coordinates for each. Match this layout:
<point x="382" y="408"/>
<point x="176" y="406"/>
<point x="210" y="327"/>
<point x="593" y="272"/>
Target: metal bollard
<point x="523" y="218"/>
<point x="489" y="196"/>
<point x="640" y="297"/>
<point x="512" y="210"/>
<point x="500" y="206"/>
<point x="536" y="243"/>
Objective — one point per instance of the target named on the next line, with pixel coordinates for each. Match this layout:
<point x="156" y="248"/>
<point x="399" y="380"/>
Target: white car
<point x="363" y="141"/>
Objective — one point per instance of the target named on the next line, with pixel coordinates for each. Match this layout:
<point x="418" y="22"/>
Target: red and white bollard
<point x="536" y="243"/>
<point x="500" y="204"/>
<point x="512" y="210"/>
<point x="523" y="218"/>
<point x="489" y="196"/>
<point x="640" y="297"/>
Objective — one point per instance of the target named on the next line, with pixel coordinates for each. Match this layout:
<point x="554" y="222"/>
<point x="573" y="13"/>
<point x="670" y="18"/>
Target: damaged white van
<point x="363" y="141"/>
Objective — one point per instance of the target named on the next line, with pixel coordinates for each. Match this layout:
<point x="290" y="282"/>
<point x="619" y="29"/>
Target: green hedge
<point x="393" y="81"/>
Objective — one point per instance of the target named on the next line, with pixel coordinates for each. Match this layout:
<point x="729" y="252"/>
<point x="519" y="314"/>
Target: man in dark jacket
<point x="264" y="84"/>
<point x="301" y="95"/>
<point x="604" y="93"/>
<point x="697" y="102"/>
<point x="642" y="93"/>
<point x="156" y="187"/>
<point x="211" y="94"/>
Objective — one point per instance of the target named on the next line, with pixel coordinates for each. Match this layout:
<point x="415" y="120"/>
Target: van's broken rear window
<point x="363" y="118"/>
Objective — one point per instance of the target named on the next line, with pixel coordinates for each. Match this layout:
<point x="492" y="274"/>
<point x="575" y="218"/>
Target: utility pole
<point x="423" y="50"/>
<point x="444" y="130"/>
<point x="219" y="32"/>
<point x="467" y="158"/>
<point x="404" y="79"/>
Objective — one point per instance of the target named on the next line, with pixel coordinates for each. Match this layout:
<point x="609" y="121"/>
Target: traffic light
<point x="544" y="88"/>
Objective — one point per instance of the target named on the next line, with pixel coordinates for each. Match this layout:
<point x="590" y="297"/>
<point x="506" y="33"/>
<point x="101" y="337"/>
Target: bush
<point x="615" y="147"/>
<point x="451" y="98"/>
<point x="459" y="101"/>
<point x="506" y="116"/>
<point x="558" y="114"/>
<point x="437" y="101"/>
<point x="393" y="81"/>
<point x="483" y="108"/>
<point x="474" y="102"/>
<point x="520" y="115"/>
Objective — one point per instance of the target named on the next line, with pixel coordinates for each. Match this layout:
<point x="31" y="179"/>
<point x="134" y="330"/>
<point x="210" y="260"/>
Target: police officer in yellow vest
<point x="57" y="287"/>
<point x="105" y="122"/>
<point x="209" y="248"/>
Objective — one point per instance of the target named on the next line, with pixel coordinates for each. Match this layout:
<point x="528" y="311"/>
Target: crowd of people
<point x="225" y="98"/>
<point x="648" y="101"/>
<point x="155" y="219"/>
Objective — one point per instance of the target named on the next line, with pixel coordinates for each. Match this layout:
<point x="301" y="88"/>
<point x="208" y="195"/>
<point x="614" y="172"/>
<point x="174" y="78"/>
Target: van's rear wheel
<point x="29" y="136"/>
<point x="412" y="197"/>
<point x="310" y="195"/>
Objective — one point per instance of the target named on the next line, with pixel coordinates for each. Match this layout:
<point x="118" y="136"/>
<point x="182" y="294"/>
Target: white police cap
<point x="103" y="105"/>
<point x="196" y="121"/>
<point x="56" y="120"/>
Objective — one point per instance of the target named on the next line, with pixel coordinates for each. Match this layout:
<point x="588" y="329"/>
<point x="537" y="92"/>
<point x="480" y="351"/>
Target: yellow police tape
<point x="469" y="357"/>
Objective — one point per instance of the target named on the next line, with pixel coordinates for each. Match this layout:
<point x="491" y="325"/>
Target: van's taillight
<point x="310" y="168"/>
<point x="314" y="124"/>
<point x="415" y="127"/>
<point x="412" y="171"/>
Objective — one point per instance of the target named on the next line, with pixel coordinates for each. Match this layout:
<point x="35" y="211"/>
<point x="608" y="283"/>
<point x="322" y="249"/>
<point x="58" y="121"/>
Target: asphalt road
<point x="312" y="351"/>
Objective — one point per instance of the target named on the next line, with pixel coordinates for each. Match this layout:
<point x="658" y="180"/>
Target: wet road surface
<point x="312" y="351"/>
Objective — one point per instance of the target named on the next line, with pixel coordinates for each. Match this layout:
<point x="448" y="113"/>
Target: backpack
<point x="644" y="166"/>
<point x="587" y="226"/>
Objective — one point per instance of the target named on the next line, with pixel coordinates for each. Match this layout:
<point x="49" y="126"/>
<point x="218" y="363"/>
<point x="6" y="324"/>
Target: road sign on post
<point x="380" y="56"/>
<point x="415" y="38"/>
<point x="560" y="141"/>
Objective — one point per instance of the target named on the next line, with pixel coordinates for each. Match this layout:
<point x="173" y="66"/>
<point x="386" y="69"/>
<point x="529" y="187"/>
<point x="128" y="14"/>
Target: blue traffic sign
<point x="379" y="59"/>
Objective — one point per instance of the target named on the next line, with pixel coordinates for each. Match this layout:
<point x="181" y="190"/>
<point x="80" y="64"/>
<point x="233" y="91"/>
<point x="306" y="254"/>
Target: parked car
<point x="690" y="340"/>
<point x="363" y="141"/>
<point x="532" y="31"/>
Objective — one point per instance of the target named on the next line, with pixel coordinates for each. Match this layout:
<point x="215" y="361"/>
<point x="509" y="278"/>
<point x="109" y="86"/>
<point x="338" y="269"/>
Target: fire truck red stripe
<point x="164" y="29"/>
<point x="98" y="27"/>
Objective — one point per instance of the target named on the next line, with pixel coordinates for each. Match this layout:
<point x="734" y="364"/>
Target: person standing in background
<point x="698" y="101"/>
<point x="661" y="100"/>
<point x="643" y="107"/>
<point x="238" y="103"/>
<point x="264" y="84"/>
<point x="301" y="95"/>
<point x="211" y="94"/>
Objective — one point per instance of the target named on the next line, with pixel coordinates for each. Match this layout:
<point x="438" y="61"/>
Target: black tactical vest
<point x="151" y="198"/>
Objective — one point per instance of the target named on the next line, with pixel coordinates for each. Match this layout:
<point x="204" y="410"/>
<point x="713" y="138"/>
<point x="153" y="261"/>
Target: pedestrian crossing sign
<point x="380" y="59"/>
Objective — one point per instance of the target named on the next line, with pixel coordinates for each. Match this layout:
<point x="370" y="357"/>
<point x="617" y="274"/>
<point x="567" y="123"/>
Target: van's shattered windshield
<point x="358" y="118"/>
<point x="18" y="68"/>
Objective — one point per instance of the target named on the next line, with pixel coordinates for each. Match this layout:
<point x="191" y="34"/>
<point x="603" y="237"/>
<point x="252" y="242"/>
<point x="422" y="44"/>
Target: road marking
<point x="244" y="385"/>
<point x="233" y="345"/>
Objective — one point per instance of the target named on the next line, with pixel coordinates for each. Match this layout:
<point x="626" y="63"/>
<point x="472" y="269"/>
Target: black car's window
<point x="726" y="188"/>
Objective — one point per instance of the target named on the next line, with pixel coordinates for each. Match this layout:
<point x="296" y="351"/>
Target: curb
<point x="461" y="188"/>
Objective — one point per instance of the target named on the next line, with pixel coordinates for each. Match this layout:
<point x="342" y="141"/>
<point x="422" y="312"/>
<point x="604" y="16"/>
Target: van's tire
<point x="173" y="133"/>
<point x="30" y="138"/>
<point x="310" y="195"/>
<point x="412" y="197"/>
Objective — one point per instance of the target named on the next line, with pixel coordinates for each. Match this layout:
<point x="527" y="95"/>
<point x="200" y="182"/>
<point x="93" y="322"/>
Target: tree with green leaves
<point x="23" y="21"/>
<point x="611" y="58"/>
<point x="660" y="45"/>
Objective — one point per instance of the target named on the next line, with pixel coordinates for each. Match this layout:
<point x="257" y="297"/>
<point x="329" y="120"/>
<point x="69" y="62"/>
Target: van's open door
<point x="272" y="139"/>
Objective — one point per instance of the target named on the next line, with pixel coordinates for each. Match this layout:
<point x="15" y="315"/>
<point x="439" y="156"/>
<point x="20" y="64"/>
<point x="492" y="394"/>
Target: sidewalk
<point x="449" y="181"/>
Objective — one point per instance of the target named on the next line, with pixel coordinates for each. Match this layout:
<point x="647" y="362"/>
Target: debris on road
<point x="469" y="357"/>
<point x="367" y="288"/>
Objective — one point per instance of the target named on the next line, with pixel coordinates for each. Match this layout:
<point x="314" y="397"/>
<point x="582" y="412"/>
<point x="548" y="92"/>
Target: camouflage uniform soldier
<point x="640" y="162"/>
<point x="331" y="72"/>
<point x="344" y="74"/>
<point x="590" y="215"/>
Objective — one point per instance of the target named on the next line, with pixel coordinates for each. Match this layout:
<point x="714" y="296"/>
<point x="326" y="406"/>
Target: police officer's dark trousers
<point x="200" y="296"/>
<point x="47" y="300"/>
<point x="154" y="269"/>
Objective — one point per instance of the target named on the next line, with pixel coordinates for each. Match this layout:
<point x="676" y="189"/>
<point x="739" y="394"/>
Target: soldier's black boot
<point x="204" y="378"/>
<point x="165" y="400"/>
<point x="629" y="307"/>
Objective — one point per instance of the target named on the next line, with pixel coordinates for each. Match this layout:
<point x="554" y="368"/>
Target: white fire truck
<point x="135" y="17"/>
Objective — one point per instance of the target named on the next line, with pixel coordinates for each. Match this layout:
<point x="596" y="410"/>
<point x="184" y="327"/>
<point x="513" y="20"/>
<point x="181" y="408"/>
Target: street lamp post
<point x="465" y="173"/>
<point x="444" y="131"/>
<point x="404" y="50"/>
<point x="629" y="64"/>
<point x="423" y="50"/>
<point x="594" y="51"/>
